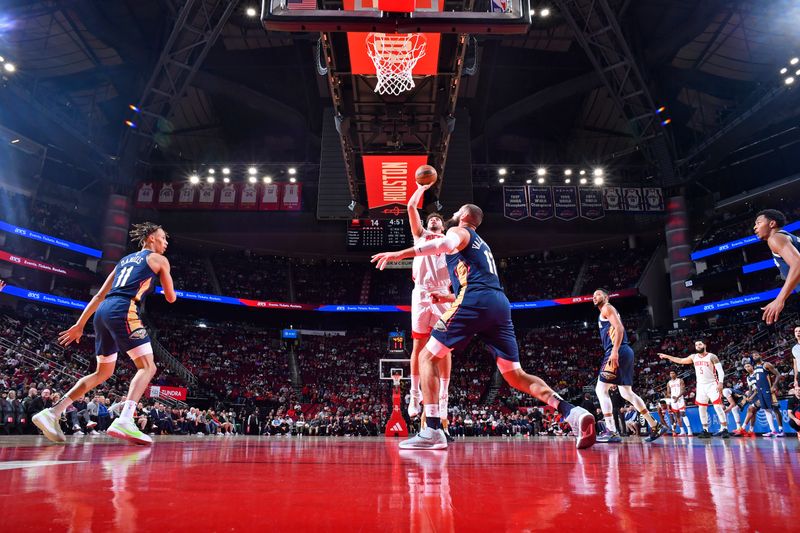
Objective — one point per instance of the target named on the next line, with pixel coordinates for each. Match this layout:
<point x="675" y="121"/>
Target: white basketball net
<point x="394" y="56"/>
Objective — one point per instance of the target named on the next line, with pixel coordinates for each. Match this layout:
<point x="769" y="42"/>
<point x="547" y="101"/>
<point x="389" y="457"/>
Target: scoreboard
<point x="366" y="234"/>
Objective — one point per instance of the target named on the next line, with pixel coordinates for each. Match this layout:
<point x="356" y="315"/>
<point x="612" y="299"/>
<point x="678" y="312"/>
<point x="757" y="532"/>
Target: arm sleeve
<point x="438" y="246"/>
<point x="720" y="372"/>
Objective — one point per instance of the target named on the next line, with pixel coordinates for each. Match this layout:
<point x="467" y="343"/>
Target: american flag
<point x="301" y="4"/>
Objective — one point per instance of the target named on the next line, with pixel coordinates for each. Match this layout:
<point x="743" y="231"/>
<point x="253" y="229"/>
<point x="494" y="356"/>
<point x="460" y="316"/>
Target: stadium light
<point x="528" y="181"/>
<point x="226" y="171"/>
<point x="10" y="67"/>
<point x="14" y="141"/>
<point x="598" y="172"/>
<point x="541" y="171"/>
<point x="251" y="12"/>
<point x="266" y="179"/>
<point x="789" y="80"/>
<point x="212" y="171"/>
<point x="193" y="179"/>
<point x="583" y="181"/>
<point x="794" y="61"/>
<point x="130" y="124"/>
<point x="784" y="70"/>
<point x="567" y="181"/>
<point x="210" y="179"/>
<point x="540" y="181"/>
<point x="134" y="108"/>
<point x="2" y="59"/>
<point x="502" y="171"/>
<point x="252" y="179"/>
<point x="292" y="171"/>
<point x="666" y="121"/>
<point x="598" y="181"/>
<point x="660" y="110"/>
<point x="226" y="180"/>
<point x="582" y="173"/>
<point x="544" y="13"/>
<point x="568" y="172"/>
<point x="252" y="171"/>
<point x="501" y="180"/>
<point x="292" y="180"/>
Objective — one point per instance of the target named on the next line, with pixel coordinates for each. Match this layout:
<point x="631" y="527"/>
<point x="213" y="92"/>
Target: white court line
<point x="10" y="465"/>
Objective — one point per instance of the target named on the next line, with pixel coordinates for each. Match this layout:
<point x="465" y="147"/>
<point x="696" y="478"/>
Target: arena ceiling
<point x="534" y="99"/>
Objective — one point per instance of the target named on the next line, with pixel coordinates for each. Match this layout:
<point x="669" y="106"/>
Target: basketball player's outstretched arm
<point x="75" y="332"/>
<point x="677" y="360"/>
<point x="781" y="244"/>
<point x="414" y="220"/>
<point x="455" y="239"/>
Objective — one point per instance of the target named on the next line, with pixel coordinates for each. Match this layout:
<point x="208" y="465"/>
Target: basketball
<point x="426" y="175"/>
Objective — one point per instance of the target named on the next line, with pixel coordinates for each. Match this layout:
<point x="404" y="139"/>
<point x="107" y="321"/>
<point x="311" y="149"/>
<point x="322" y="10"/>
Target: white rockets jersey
<point x="430" y="271"/>
<point x="704" y="369"/>
<point x="674" y="387"/>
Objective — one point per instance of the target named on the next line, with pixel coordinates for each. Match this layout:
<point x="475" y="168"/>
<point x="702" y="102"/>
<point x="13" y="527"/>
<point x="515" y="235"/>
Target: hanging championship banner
<point x="541" y="202"/>
<point x="291" y="199"/>
<point x="227" y="196"/>
<point x="145" y="195"/>
<point x="270" y="200"/>
<point x="166" y="196"/>
<point x="653" y="199"/>
<point x="248" y="199"/>
<point x="612" y="198"/>
<point x="207" y="197"/>
<point x="566" y="202"/>
<point x="633" y="198"/>
<point x="515" y="202"/>
<point x="591" y="203"/>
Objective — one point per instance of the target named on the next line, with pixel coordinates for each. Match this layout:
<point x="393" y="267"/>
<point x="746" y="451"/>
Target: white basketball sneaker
<point x="127" y="430"/>
<point x="48" y="423"/>
<point x="582" y="423"/>
<point x="426" y="439"/>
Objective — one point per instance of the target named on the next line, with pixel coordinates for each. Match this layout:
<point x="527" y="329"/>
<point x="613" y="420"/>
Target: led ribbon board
<point x="49" y="239"/>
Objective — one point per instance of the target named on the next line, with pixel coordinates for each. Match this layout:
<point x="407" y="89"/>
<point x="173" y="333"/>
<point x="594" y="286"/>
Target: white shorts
<point x="424" y="313"/>
<point x="680" y="405"/>
<point x="707" y="393"/>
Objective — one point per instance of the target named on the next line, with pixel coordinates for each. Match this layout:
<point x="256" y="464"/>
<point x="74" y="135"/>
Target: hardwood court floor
<point x="201" y="484"/>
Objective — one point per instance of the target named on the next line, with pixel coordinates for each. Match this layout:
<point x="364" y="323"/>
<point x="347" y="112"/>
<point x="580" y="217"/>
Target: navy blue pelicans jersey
<point x="783" y="267"/>
<point x="473" y="268"/>
<point x="761" y="378"/>
<point x="134" y="279"/>
<point x="608" y="334"/>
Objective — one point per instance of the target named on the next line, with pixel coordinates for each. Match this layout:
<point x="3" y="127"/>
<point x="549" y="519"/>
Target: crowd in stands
<point x="59" y="221"/>
<point x="539" y="276"/>
<point x="718" y="227"/>
<point x="242" y="274"/>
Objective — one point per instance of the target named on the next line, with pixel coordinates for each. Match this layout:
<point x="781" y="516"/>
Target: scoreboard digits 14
<point x="378" y="234"/>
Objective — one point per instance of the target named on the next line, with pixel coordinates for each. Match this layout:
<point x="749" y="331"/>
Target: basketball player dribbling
<point x="617" y="369"/>
<point x="430" y="299"/>
<point x="481" y="308"/>
<point x="117" y="327"/>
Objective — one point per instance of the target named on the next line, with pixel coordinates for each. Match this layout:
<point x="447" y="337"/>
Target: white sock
<point x="610" y="425"/>
<point x="770" y="420"/>
<point x="444" y="385"/>
<point x="416" y="392"/>
<point x="432" y="410"/>
<point x="737" y="416"/>
<point x="129" y="410"/>
<point x="703" y="412"/>
<point x="723" y="418"/>
<point x="59" y="408"/>
<point x="688" y="427"/>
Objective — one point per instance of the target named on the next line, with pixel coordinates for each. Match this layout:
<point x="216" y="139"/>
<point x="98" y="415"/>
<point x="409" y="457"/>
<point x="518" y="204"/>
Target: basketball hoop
<point x="394" y="56"/>
<point x="396" y="376"/>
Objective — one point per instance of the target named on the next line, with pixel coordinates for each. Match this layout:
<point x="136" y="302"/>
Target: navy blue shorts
<point x="763" y="399"/>
<point x="624" y="374"/>
<point x="118" y="328"/>
<point x="482" y="312"/>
